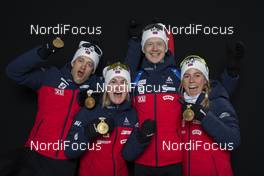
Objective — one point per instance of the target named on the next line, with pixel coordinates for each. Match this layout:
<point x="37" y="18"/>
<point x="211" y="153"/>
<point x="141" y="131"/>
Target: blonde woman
<point x="101" y="133"/>
<point x="209" y="124"/>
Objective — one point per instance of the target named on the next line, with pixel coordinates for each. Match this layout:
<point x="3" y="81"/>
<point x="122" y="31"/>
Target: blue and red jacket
<point x="213" y="138"/>
<point x="57" y="100"/>
<point x="105" y="155"/>
<point x="160" y="103"/>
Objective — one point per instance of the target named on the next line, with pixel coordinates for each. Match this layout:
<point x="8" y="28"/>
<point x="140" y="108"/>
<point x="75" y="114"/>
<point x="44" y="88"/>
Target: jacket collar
<point x="126" y="105"/>
<point x="167" y="61"/>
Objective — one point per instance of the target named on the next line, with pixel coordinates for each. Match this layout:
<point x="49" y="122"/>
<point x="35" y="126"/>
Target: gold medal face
<point x="188" y="114"/>
<point x="58" y="43"/>
<point x="89" y="102"/>
<point x="102" y="127"/>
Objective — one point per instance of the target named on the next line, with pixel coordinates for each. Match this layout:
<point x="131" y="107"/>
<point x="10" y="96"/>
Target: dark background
<point x="18" y="104"/>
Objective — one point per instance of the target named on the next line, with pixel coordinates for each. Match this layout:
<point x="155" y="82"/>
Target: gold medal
<point x="188" y="114"/>
<point x="58" y="43"/>
<point x="89" y="101"/>
<point x="102" y="127"/>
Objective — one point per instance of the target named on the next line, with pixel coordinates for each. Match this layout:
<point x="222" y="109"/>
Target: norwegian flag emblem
<point x="190" y="62"/>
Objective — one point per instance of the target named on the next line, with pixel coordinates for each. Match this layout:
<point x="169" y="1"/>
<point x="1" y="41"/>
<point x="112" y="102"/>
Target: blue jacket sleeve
<point x="221" y="123"/>
<point x="76" y="135"/>
<point x="133" y="148"/>
<point x="229" y="82"/>
<point x="23" y="69"/>
<point x="133" y="56"/>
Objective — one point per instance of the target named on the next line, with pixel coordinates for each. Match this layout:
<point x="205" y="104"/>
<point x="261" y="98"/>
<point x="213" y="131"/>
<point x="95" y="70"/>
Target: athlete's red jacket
<point x="57" y="103"/>
<point x="212" y="139"/>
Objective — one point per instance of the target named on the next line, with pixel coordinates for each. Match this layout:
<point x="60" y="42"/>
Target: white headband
<point x="117" y="71"/>
<point x="194" y="61"/>
<point x="88" y="52"/>
<point x="154" y="32"/>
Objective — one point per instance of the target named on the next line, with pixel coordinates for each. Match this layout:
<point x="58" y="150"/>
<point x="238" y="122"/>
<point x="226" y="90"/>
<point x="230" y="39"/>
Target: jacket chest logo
<point x="63" y="84"/>
<point x="141" y="82"/>
<point x="141" y="99"/>
<point x="169" y="80"/>
<point x="196" y="132"/>
<point x="60" y="89"/>
<point x="123" y="141"/>
<point x="126" y="122"/>
<point x="126" y="132"/>
<point x="59" y="92"/>
<point x="168" y="97"/>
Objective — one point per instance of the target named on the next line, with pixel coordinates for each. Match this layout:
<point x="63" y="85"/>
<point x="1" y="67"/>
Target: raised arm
<point x="24" y="69"/>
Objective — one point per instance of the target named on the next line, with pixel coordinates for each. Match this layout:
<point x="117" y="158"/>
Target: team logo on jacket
<point x="141" y="99"/>
<point x="63" y="84"/>
<point x="126" y="122"/>
<point x="76" y="136"/>
<point x="169" y="80"/>
<point x="123" y="141"/>
<point x="168" y="97"/>
<point x="103" y="141"/>
<point x="77" y="123"/>
<point x="224" y="114"/>
<point x="59" y="91"/>
<point x="197" y="132"/>
<point x="166" y="88"/>
<point x="85" y="86"/>
<point x="141" y="82"/>
<point x="125" y="132"/>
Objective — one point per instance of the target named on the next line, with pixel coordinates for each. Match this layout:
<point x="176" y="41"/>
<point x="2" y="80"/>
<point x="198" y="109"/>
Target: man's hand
<point x="50" y="47"/>
<point x="134" y="30"/>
